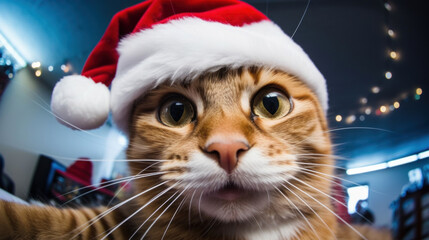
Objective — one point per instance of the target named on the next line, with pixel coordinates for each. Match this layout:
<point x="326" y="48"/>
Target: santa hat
<point x="171" y="40"/>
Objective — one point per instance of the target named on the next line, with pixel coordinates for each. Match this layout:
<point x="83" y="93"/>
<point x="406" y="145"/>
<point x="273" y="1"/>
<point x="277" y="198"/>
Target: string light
<point x="338" y="118"/>
<point x="396" y="105"/>
<point x="388" y="7"/>
<point x="50" y="68"/>
<point x="419" y="91"/>
<point x="38" y="73"/>
<point x="366" y="108"/>
<point x="36" y="65"/>
<point x="388" y="75"/>
<point x="386" y="108"/>
<point x="375" y="89"/>
<point x="368" y="111"/>
<point x="10" y="75"/>
<point x="65" y="68"/>
<point x="350" y="119"/>
<point x="393" y="55"/>
<point x="20" y="62"/>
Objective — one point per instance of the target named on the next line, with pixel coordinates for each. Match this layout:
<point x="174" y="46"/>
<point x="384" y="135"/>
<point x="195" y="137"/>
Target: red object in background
<point x="82" y="169"/>
<point x="339" y="194"/>
<point x="74" y="186"/>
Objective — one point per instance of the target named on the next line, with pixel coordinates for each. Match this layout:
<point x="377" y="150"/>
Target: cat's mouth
<point x="230" y="192"/>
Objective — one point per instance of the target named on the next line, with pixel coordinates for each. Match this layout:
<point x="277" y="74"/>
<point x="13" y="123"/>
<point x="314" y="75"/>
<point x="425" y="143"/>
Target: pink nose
<point x="227" y="153"/>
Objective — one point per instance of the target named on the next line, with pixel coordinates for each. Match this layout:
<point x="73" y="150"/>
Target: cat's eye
<point x="271" y="103"/>
<point x="176" y="111"/>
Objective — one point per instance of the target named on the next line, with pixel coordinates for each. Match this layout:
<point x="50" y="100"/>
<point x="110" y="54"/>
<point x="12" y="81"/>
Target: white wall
<point x="385" y="186"/>
<point x="27" y="129"/>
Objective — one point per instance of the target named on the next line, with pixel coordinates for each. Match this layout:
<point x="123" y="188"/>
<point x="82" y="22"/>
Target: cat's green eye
<point x="271" y="103"/>
<point x="176" y="111"/>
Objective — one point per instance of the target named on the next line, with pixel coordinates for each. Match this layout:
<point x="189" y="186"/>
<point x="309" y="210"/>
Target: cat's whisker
<point x="134" y="160"/>
<point x="47" y="106"/>
<point x="166" y="208"/>
<point x="314" y="138"/>
<point x="209" y="227"/>
<point x="153" y="213"/>
<point x="171" y="220"/>
<point x="114" y="183"/>
<point x="190" y="207"/>
<point x="268" y="195"/>
<point x="143" y="160"/>
<point x="299" y="211"/>
<point x="118" y="180"/>
<point x="324" y="174"/>
<point x="357" y="128"/>
<point x="128" y="182"/>
<point x="308" y="171"/>
<point x="68" y="123"/>
<point x="103" y="214"/>
<point x="311" y="209"/>
<point x="257" y="223"/>
<point x="140" y="209"/>
<point x="314" y="173"/>
<point x="321" y="164"/>
<point x="328" y="179"/>
<point x="32" y="92"/>
<point x="199" y="206"/>
<point x="330" y="210"/>
<point x="302" y="18"/>
<point x="327" y="195"/>
<point x="336" y="157"/>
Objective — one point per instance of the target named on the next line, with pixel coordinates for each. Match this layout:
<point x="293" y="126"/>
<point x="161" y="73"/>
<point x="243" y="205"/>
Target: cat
<point x="239" y="154"/>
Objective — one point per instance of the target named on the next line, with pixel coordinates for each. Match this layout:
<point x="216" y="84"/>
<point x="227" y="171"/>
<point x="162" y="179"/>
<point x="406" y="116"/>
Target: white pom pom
<point x="80" y="103"/>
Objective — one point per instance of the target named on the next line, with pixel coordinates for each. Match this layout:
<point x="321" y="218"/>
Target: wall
<point x="385" y="186"/>
<point x="27" y="129"/>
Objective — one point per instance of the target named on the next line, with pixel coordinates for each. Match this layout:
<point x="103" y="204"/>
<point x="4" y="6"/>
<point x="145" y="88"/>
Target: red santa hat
<point x="171" y="40"/>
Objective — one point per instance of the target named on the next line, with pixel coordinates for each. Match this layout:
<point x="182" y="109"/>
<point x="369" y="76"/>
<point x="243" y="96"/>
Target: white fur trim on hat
<point x="80" y="103"/>
<point x="182" y="49"/>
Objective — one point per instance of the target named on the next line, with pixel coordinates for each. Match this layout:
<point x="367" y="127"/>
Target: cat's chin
<point x="230" y="193"/>
<point x="232" y="204"/>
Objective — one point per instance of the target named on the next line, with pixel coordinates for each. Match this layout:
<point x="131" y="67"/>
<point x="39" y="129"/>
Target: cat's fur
<point x="284" y="175"/>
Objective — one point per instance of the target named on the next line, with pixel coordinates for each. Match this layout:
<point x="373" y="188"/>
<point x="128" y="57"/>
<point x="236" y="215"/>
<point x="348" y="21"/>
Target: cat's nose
<point x="227" y="153"/>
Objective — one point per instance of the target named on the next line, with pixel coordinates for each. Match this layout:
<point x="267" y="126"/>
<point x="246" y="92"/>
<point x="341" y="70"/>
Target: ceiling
<point x="346" y="39"/>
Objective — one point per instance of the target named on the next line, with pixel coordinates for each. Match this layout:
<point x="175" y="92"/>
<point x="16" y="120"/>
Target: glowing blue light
<point x="20" y="62"/>
<point x="370" y="168"/>
<point x="122" y="140"/>
<point x="389" y="164"/>
<point x="423" y="155"/>
<point x="402" y="161"/>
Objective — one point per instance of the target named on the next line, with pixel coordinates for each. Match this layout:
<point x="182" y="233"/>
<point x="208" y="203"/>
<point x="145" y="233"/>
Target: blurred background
<point x="373" y="53"/>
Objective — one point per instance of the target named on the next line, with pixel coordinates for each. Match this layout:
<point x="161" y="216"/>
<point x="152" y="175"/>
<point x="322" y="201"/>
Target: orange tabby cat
<point x="234" y="154"/>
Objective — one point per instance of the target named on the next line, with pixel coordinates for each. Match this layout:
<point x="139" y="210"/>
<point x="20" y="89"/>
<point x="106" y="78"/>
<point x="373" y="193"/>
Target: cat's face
<point x="230" y="141"/>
